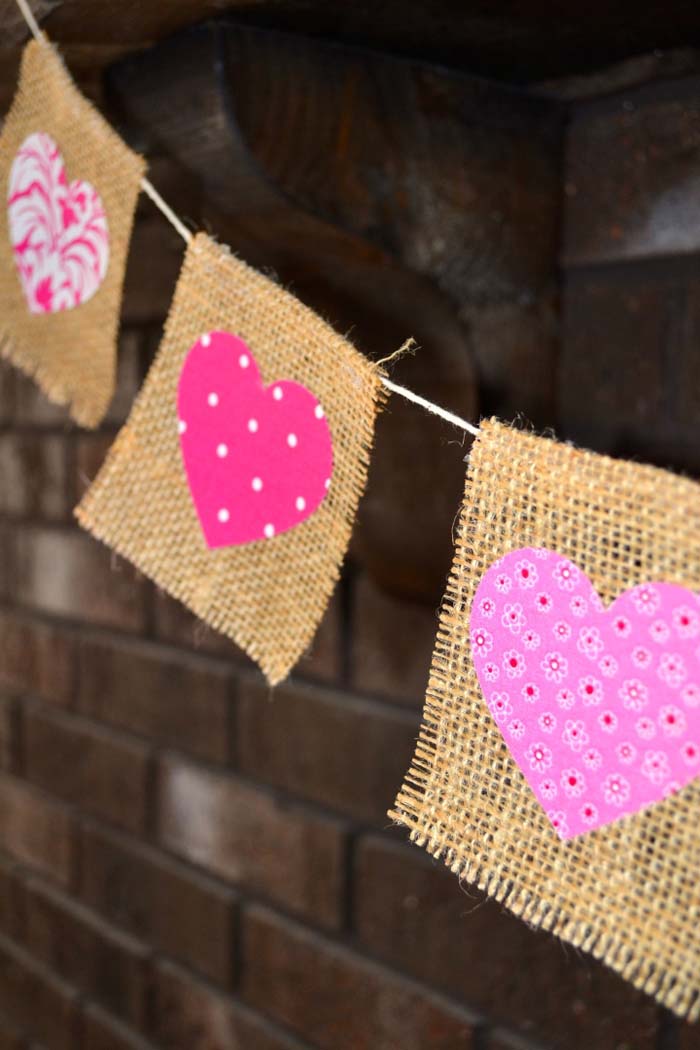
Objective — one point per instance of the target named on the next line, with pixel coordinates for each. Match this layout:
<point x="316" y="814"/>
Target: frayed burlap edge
<point x="70" y="354"/>
<point x="464" y="799"/>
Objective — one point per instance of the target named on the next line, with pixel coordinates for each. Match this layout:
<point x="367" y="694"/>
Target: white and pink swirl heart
<point x="58" y="230"/>
<point x="599" y="707"/>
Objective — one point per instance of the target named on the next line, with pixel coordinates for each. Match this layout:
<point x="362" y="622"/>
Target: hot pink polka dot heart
<point x="258" y="459"/>
<point x="599" y="708"/>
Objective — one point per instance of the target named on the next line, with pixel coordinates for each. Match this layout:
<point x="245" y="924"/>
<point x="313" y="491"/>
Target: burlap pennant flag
<point x="235" y="482"/>
<point x="557" y="765"/>
<point x="71" y="187"/>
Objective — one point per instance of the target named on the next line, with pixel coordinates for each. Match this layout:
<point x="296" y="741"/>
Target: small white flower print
<point x="626" y="752"/>
<point x="607" y="721"/>
<point x="490" y="671"/>
<point x="672" y="670"/>
<point x="542" y="553"/>
<point x="543" y="602"/>
<point x="500" y="706"/>
<point x="590" y="690"/>
<point x="530" y="639"/>
<point x="555" y="667"/>
<point x="503" y="583"/>
<point x="562" y="631"/>
<point x="566" y="699"/>
<point x="547" y="722"/>
<point x="487" y="607"/>
<point x="634" y="694"/>
<point x="513" y="617"/>
<point x="672" y="720"/>
<point x="548" y="789"/>
<point x="592" y="758"/>
<point x="575" y="734"/>
<point x="578" y="606"/>
<point x="530" y="693"/>
<point x="691" y="754"/>
<point x="539" y="756"/>
<point x="645" y="728"/>
<point x="686" y="621"/>
<point x="514" y="663"/>
<point x="526" y="575"/>
<point x="621" y="626"/>
<point x="646" y="599"/>
<point x="641" y="657"/>
<point x="589" y="642"/>
<point x="589" y="813"/>
<point x="516" y="728"/>
<point x="573" y="782"/>
<point x="655" y="766"/>
<point x="690" y="695"/>
<point x="566" y="575"/>
<point x="482" y="641"/>
<point x="616" y="789"/>
<point x="671" y="788"/>
<point x="608" y="666"/>
<point x="558" y="822"/>
<point x="660" y="632"/>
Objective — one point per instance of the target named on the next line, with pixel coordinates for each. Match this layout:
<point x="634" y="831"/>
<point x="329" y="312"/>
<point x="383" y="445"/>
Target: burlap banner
<point x="72" y="186"/>
<point x="235" y="481"/>
<point x="627" y="890"/>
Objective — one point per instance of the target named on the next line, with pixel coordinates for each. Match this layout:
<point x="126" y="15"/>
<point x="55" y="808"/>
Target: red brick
<point x="8" y="733"/>
<point x="274" y="848"/>
<point x="180" y="701"/>
<point x="631" y="178"/>
<point x="33" y="476"/>
<point x="11" y="1038"/>
<point x="101" y="1031"/>
<point x="41" y="1004"/>
<point x="11" y="899"/>
<point x="148" y="289"/>
<point x="190" y="1015"/>
<point x="32" y="406"/>
<point x="177" y="910"/>
<point x="8" y="377"/>
<point x="129" y="377"/>
<point x="70" y="574"/>
<point x="337" y="999"/>
<point x="103" y="963"/>
<point x="102" y="771"/>
<point x="36" y="830"/>
<point x="36" y="658"/>
<point x="323" y="659"/>
<point x="414" y="914"/>
<point x="90" y="453"/>
<point x="392" y="643"/>
<point x="175" y="623"/>
<point x="346" y="753"/>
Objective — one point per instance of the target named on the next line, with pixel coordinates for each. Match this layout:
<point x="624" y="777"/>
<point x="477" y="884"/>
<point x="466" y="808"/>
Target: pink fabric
<point x="258" y="459"/>
<point x="600" y="708"/>
<point x="58" y="230"/>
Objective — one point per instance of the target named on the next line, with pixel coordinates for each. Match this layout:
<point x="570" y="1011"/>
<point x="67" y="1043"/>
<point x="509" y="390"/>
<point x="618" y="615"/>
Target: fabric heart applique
<point x="258" y="459"/>
<point x="58" y="230"/>
<point x="599" y="708"/>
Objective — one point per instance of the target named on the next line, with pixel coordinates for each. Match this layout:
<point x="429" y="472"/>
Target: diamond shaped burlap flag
<point x="235" y="481"/>
<point x="71" y="187"/>
<point x="529" y="661"/>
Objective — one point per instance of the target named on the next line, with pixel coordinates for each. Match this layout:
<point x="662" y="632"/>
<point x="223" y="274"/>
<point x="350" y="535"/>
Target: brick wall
<point x="190" y="862"/>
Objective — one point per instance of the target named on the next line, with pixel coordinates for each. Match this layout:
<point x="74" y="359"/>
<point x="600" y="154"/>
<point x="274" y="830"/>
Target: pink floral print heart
<point x="599" y="708"/>
<point x="258" y="459"/>
<point x="58" y="230"/>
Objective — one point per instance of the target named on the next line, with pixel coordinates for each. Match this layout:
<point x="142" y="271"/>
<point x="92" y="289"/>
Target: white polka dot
<point x="257" y="484"/>
<point x="206" y="339"/>
<point x="253" y="425"/>
<point x="213" y="400"/>
<point x="318" y="412"/>
<point x="223" y="514"/>
<point x="244" y="360"/>
<point x="277" y="393"/>
<point x="182" y="426"/>
<point x="292" y="440"/>
<point x="269" y="531"/>
<point x="222" y="450"/>
<point x="301" y="503"/>
<point x="327" y="483"/>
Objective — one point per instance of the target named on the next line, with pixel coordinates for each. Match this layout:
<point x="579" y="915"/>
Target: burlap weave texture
<point x="629" y="892"/>
<point x="269" y="595"/>
<point x="71" y="353"/>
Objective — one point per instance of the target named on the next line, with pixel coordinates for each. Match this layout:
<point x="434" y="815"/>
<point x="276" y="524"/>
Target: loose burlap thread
<point x="70" y="353"/>
<point x="268" y="596"/>
<point x="629" y="892"/>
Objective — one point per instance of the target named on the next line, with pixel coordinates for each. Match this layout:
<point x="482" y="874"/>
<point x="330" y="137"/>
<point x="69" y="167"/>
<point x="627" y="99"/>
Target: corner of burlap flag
<point x="628" y="892"/>
<point x="235" y="481"/>
<point x="71" y="188"/>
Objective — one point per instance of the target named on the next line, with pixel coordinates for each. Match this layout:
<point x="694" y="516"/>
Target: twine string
<point x="168" y="213"/>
